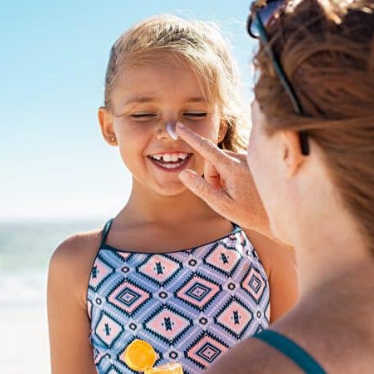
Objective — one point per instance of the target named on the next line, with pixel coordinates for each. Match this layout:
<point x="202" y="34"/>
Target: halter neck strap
<point x="105" y="232"/>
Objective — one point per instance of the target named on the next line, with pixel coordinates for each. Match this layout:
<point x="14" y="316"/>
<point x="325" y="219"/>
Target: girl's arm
<point x="69" y="325"/>
<point x="279" y="263"/>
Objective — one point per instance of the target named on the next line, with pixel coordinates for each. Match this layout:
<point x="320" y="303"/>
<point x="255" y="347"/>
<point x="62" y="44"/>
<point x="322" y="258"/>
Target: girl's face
<point x="146" y="98"/>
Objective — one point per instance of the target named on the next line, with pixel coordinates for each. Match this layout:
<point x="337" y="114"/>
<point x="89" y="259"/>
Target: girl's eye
<point x="195" y="115"/>
<point x="143" y="116"/>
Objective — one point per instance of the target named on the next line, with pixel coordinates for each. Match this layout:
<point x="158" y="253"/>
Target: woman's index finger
<point x="202" y="145"/>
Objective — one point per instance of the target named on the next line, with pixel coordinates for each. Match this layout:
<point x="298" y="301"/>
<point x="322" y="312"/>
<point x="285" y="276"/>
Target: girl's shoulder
<point x="78" y="246"/>
<point x="70" y="264"/>
<point x="272" y="253"/>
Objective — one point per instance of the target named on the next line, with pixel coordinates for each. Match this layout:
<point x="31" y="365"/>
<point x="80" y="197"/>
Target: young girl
<point x="167" y="269"/>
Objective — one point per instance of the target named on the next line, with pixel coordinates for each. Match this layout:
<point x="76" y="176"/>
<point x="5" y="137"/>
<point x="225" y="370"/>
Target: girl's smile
<point x="171" y="161"/>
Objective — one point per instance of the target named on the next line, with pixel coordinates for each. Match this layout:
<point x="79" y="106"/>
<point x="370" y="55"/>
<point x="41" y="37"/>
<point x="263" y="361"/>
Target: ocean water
<point x="25" y="250"/>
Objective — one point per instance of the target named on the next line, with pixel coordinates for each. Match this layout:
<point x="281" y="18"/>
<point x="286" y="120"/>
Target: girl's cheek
<point x="134" y="129"/>
<point x="207" y="129"/>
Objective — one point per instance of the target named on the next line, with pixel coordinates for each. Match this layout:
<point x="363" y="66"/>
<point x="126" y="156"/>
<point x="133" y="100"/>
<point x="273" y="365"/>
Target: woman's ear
<point x="292" y="155"/>
<point x="105" y="118"/>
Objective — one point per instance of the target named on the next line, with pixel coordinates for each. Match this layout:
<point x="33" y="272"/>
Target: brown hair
<point x="198" y="44"/>
<point x="326" y="48"/>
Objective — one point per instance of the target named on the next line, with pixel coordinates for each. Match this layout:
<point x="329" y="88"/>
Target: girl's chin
<point x="171" y="189"/>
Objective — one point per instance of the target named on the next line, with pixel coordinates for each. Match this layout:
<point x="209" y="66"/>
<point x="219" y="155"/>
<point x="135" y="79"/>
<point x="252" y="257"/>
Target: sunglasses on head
<point x="262" y="14"/>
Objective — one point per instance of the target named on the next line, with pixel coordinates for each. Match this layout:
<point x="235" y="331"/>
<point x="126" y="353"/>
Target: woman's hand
<point x="227" y="186"/>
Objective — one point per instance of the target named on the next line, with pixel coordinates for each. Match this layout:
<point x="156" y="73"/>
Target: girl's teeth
<point x="172" y="166"/>
<point x="170" y="160"/>
<point x="170" y="157"/>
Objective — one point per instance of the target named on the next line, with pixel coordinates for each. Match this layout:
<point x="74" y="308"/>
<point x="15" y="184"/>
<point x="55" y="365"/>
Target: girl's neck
<point x="146" y="206"/>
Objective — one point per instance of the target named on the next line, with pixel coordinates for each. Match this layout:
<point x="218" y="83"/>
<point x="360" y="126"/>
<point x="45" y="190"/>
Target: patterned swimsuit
<point x="190" y="305"/>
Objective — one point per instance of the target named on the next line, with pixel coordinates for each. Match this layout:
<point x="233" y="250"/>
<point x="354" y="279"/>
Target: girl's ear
<point x="105" y="118"/>
<point x="222" y="130"/>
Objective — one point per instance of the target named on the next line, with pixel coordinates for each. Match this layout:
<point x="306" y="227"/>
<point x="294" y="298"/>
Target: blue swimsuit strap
<point x="290" y="349"/>
<point x="105" y="232"/>
<point x="108" y="225"/>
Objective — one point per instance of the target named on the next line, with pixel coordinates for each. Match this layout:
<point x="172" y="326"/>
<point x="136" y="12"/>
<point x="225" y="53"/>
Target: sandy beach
<point x="24" y="339"/>
<point x="25" y="249"/>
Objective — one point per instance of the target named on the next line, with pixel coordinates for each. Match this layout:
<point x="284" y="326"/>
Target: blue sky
<point x="54" y="163"/>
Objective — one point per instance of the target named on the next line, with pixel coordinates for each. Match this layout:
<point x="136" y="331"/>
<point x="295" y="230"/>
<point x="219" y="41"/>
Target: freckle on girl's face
<point x="144" y="100"/>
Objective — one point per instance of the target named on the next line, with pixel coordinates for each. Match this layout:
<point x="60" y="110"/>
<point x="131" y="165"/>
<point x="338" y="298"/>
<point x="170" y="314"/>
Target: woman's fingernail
<point x="180" y="125"/>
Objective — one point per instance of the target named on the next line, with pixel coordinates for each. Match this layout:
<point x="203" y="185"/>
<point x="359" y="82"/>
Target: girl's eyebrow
<point x="196" y="100"/>
<point x="139" y="99"/>
<point x="148" y="99"/>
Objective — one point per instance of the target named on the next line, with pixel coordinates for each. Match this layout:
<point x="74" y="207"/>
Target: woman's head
<point x="326" y="49"/>
<point x="195" y="44"/>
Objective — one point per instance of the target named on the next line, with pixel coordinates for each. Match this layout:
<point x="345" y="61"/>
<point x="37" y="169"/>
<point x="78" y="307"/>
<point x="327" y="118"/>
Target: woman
<point x="311" y="154"/>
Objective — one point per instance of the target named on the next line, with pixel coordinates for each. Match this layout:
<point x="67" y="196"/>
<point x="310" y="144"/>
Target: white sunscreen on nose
<point x="170" y="128"/>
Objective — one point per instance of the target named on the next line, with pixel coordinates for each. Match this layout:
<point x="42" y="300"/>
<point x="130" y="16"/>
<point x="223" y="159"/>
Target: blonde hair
<point x="198" y="44"/>
<point x="327" y="50"/>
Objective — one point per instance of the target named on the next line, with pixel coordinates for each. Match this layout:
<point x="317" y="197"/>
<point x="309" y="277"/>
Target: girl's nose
<point x="171" y="130"/>
<point x="166" y="130"/>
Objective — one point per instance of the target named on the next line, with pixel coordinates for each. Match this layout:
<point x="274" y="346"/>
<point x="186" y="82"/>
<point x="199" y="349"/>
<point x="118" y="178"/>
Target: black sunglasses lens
<point x="253" y="27"/>
<point x="264" y="15"/>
